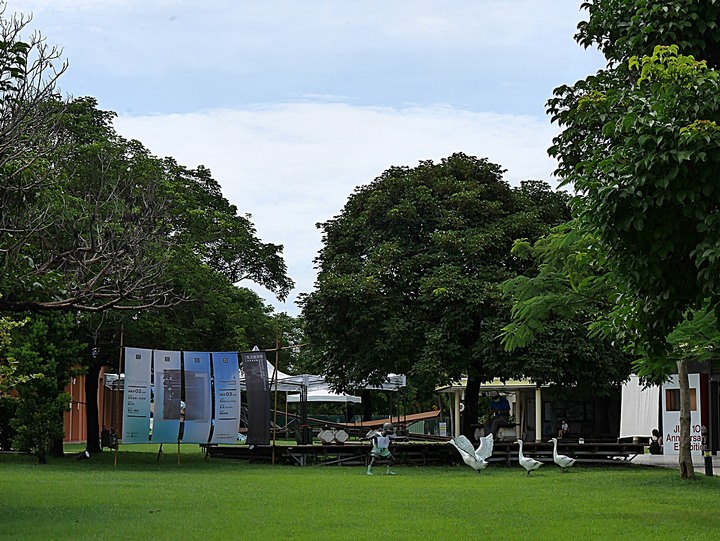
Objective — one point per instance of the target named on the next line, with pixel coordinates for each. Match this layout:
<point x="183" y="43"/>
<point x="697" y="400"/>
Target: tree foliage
<point x="410" y="270"/>
<point x="560" y="315"/>
<point x="624" y="28"/>
<point x="69" y="240"/>
<point x="89" y="220"/>
<point x="639" y="145"/>
<point x="44" y="345"/>
<point x="92" y="224"/>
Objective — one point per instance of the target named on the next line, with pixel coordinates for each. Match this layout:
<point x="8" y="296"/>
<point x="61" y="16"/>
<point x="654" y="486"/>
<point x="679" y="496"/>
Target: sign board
<point x="671" y="416"/>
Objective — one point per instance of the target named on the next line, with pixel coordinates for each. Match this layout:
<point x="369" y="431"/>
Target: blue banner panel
<point x="198" y="397"/>
<point x="226" y="379"/>
<point x="136" y="396"/>
<point x="167" y="384"/>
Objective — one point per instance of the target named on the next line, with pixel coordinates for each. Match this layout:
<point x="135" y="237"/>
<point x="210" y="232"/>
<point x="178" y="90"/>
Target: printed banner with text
<point x="671" y="416"/>
<point x="198" y="397"/>
<point x="258" y="397"/>
<point x="136" y="399"/>
<point x="226" y="378"/>
<point x="167" y="384"/>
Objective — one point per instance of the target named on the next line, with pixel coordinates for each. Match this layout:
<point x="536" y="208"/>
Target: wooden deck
<point x="422" y="453"/>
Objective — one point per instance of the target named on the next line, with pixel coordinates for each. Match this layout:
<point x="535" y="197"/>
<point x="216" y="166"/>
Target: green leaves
<point x="409" y="271"/>
<point x="640" y="147"/>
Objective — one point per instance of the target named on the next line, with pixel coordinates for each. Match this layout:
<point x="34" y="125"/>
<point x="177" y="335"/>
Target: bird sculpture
<point x="530" y="464"/>
<point x="475" y="458"/>
<point x="561" y="460"/>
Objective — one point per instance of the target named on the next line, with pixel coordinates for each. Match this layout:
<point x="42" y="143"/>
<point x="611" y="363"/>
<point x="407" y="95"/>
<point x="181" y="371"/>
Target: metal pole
<point x="122" y="335"/>
<point x="275" y="381"/>
<point x="706" y="452"/>
<point x="538" y="414"/>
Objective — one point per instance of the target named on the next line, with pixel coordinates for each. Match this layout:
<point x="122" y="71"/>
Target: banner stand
<point x="120" y="363"/>
<point x="160" y="454"/>
<point x="275" y="382"/>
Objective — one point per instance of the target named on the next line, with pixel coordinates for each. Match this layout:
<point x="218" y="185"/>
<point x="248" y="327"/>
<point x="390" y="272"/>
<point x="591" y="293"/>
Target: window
<point x="672" y="399"/>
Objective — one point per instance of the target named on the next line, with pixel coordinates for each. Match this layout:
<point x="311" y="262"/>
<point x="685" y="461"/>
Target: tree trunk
<point x="687" y="471"/>
<point x="470" y="415"/>
<point x="91" y="408"/>
<point x="57" y="449"/>
<point x="366" y="405"/>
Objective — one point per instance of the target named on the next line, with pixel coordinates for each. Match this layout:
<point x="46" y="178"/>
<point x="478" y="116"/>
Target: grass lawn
<point x="144" y="499"/>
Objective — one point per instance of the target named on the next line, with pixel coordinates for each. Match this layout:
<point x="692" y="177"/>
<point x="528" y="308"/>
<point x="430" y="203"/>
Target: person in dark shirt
<point x="498" y="414"/>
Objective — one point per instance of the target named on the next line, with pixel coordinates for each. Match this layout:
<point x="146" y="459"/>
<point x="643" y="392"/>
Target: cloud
<point x="295" y="164"/>
<point x="292" y="105"/>
<point x="165" y="56"/>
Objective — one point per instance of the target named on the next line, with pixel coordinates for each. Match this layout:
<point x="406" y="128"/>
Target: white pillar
<point x="456" y="424"/>
<point x="518" y="417"/>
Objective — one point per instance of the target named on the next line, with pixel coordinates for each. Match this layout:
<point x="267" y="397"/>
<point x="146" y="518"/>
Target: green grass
<point x="143" y="499"/>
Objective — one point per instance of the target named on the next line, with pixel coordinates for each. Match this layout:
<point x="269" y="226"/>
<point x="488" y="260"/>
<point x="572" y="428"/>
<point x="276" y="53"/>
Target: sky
<point x="292" y="104"/>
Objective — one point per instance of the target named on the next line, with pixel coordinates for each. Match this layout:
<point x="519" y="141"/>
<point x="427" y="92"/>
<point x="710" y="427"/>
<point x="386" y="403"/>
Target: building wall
<point x="109" y="406"/>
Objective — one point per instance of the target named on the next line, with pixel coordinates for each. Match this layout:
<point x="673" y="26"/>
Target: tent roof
<point x="325" y="395"/>
<point x="286" y="382"/>
<point x="495" y="384"/>
<point x="393" y="382"/>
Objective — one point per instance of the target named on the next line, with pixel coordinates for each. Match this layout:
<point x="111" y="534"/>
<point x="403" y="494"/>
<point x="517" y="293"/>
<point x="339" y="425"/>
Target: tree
<point x="621" y="29"/>
<point x="9" y="379"/>
<point x="639" y="145"/>
<point x="212" y="247"/>
<point x="44" y="345"/>
<point x="222" y="238"/>
<point x="410" y="270"/>
<point x="83" y="227"/>
<point x="569" y="279"/>
<point x="91" y="222"/>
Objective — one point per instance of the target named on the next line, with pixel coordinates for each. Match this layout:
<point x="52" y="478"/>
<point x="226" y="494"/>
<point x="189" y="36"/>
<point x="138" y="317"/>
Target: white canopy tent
<point x="325" y="395"/>
<point x="286" y="382"/>
<point x="392" y="382"/>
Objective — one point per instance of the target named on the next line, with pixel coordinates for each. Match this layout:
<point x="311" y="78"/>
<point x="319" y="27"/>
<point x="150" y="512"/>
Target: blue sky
<point x="293" y="104"/>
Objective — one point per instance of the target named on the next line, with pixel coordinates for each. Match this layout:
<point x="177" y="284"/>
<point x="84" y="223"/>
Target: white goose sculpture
<point x="561" y="460"/>
<point x="475" y="458"/>
<point x="530" y="464"/>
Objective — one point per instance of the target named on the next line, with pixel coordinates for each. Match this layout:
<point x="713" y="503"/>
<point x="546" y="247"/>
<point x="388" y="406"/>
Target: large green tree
<point x="410" y="270"/>
<point x="640" y="146"/>
<point x="91" y="222"/>
<point x="209" y="246"/>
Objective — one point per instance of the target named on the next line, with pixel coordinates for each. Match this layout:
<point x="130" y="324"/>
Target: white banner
<point x="671" y="416"/>
<point x="226" y="378"/>
<point x="198" y="397"/>
<point x="167" y="384"/>
<point x="136" y="399"/>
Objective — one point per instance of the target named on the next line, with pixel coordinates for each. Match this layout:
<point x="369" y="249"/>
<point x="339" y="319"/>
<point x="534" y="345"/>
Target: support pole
<point x="120" y="365"/>
<point x="518" y="415"/>
<point x="456" y="424"/>
<point x="275" y="382"/>
<point x="538" y="415"/>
